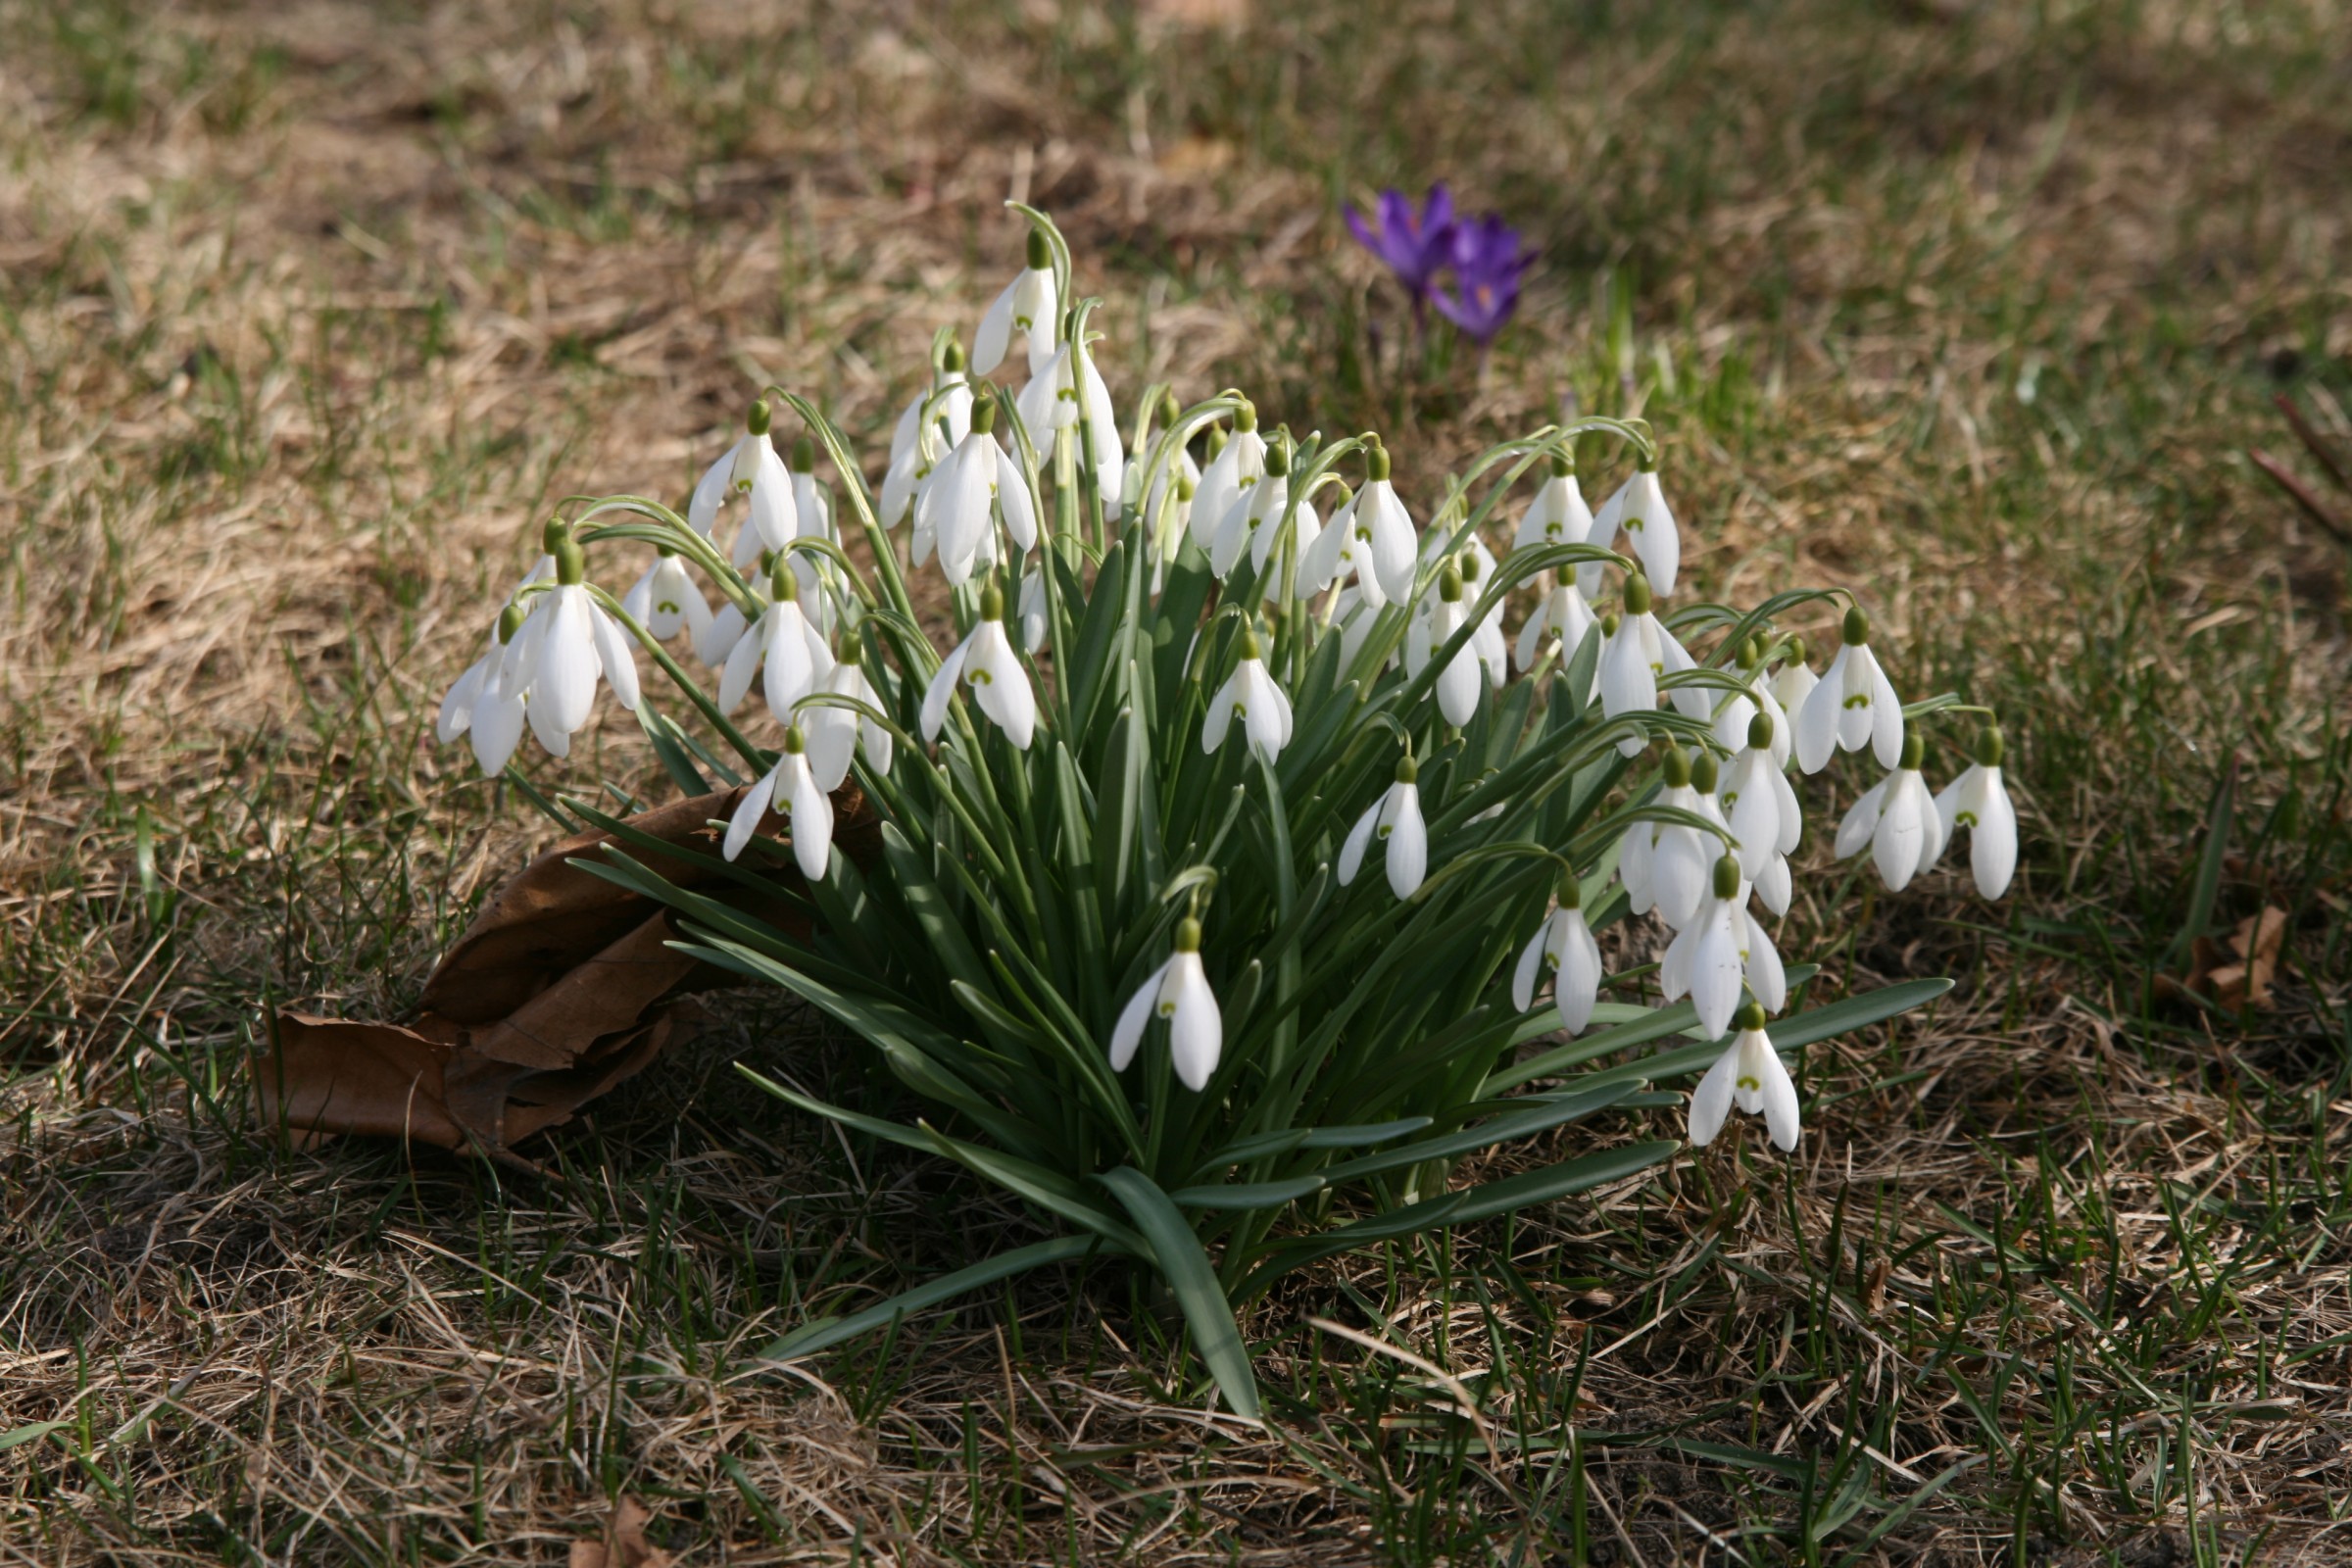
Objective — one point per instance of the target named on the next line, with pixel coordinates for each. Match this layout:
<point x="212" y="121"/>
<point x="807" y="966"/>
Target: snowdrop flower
<point x="1853" y="705"/>
<point x="918" y="444"/>
<point x="715" y="641"/>
<point x="1487" y="640"/>
<point x="1251" y="696"/>
<point x="1750" y="1075"/>
<point x="1639" y="508"/>
<point x="665" y="601"/>
<point x="835" y="732"/>
<point x="1558" y="514"/>
<point x="811" y="503"/>
<point x="1237" y="466"/>
<point x="1337" y="556"/>
<point x="1252" y="523"/>
<point x="771" y="520"/>
<point x="977" y="482"/>
<point x="986" y="663"/>
<point x="1562" y="947"/>
<point x="480" y="706"/>
<point x="1734" y="717"/>
<point x="1354" y="616"/>
<point x="1710" y="958"/>
<point x="1179" y="992"/>
<point x="732" y="473"/>
<point x="567" y="642"/>
<point x="1457" y="682"/>
<point x="1760" y="804"/>
<point x="1396" y="820"/>
<point x="1978" y="801"/>
<point x="785" y="644"/>
<point x="1031" y="610"/>
<point x="1639" y="652"/>
<point x="1685" y="854"/>
<point x="1387" y="528"/>
<point x="1028" y="306"/>
<point x="1898" y="819"/>
<point x="1168" y="503"/>
<point x="1048" y="404"/>
<point x="793" y="785"/>
<point x="1104" y="452"/>
<point x="1558" y="624"/>
<point x="1790" y="685"/>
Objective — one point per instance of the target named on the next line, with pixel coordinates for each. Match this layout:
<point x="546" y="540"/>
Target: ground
<point x="311" y="313"/>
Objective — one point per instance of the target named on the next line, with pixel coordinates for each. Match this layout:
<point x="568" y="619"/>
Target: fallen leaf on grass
<point x="625" y="1544"/>
<point x="2236" y="975"/>
<point x="561" y="986"/>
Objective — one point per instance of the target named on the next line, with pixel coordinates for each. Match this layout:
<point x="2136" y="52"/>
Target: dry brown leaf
<point x="2239" y="973"/>
<point x="625" y="1544"/>
<point x="561" y="986"/>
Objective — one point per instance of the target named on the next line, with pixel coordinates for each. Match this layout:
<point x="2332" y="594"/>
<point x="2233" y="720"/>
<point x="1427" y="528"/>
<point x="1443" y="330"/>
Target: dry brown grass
<point x="311" y="314"/>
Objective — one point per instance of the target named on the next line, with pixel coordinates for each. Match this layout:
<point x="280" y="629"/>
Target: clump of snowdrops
<point x="1237" y="847"/>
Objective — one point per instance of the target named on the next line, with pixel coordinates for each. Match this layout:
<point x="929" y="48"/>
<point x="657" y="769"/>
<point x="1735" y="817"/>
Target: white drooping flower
<point x="1029" y="306"/>
<point x="918" y="444"/>
<point x="1748" y="1074"/>
<point x="717" y="640"/>
<point x="1979" y="801"/>
<point x="1560" y="621"/>
<point x="1168" y="508"/>
<point x="1563" y="948"/>
<point x="1898" y="819"/>
<point x="1251" y="696"/>
<point x="1457" y="682"/>
<point x="835" y="732"/>
<point x="1105" y="453"/>
<point x="1638" y="847"/>
<point x="1726" y="946"/>
<point x="1253" y="524"/>
<point x="1486" y="640"/>
<point x="1852" y="705"/>
<point x="1049" y="405"/>
<point x="1558" y="514"/>
<point x="1740" y="708"/>
<point x="1032" y="610"/>
<point x="784" y="644"/>
<point x="1179" y="992"/>
<point x="1790" y="685"/>
<point x="771" y="518"/>
<point x="791" y="785"/>
<point x="986" y="663"/>
<point x="960" y="506"/>
<point x="1395" y="820"/>
<point x="732" y="473"/>
<point x="1237" y="466"/>
<point x="1640" y="653"/>
<point x="1760" y="804"/>
<point x="665" y="601"/>
<point x="481" y="707"/>
<point x="1638" y="509"/>
<point x="1387" y="528"/>
<point x="565" y="644"/>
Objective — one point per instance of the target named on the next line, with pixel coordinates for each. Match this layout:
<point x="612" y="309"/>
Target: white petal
<point x="1887" y="717"/>
<point x="1577" y="985"/>
<point x="1818" y="719"/>
<point x="1861" y="819"/>
<point x="772" y="511"/>
<point x="1457" y="689"/>
<point x="565" y="671"/>
<point x="456" y="709"/>
<point x="1674" y="964"/>
<point x="1394" y="551"/>
<point x="996" y="333"/>
<point x="1635" y="855"/>
<point x="1792" y="817"/>
<point x="1711" y="1103"/>
<point x="710" y="493"/>
<point x="812" y="823"/>
<point x="1197" y="1032"/>
<point x="719" y="639"/>
<point x="1529" y="970"/>
<point x="1005" y="695"/>
<point x="1359" y="838"/>
<point x="1408" y="841"/>
<point x="1680" y="871"/>
<point x="1765" y="975"/>
<point x="1128" y="1032"/>
<point x="1012" y="497"/>
<point x="789" y="673"/>
<point x="1269" y="716"/>
<point x="615" y="651"/>
<point x="1716" y="971"/>
<point x="1220" y="718"/>
<point x="497" y="727"/>
<point x="1772" y="884"/>
<point x="749" y="810"/>
<point x="1992" y="847"/>
<point x="1901" y="831"/>
<point x="1780" y="1096"/>
<point x="1656" y="542"/>
<point x="943" y="688"/>
<point x="1757" y="814"/>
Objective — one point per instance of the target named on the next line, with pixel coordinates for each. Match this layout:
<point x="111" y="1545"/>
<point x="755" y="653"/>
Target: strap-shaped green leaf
<point x="1536" y="1116"/>
<point x="1247" y="1194"/>
<point x="824" y="1332"/>
<point x="1187" y="1269"/>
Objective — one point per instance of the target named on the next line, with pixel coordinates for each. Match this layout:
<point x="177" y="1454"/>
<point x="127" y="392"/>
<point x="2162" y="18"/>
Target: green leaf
<point x="2208" y="883"/>
<point x="1048" y="1190"/>
<point x="1283" y="1142"/>
<point x="667" y="750"/>
<point x="1189" y="1274"/>
<point x="1552" y="1111"/>
<point x="1247" y="1194"/>
<point x="824" y="1332"/>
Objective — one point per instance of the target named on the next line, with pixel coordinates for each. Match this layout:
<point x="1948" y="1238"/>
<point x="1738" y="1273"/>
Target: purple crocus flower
<point x="1487" y="261"/>
<point x="1414" y="244"/>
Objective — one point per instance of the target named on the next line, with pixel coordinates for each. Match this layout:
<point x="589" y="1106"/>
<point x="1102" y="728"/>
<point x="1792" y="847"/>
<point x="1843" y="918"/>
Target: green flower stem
<point x="758" y="759"/>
